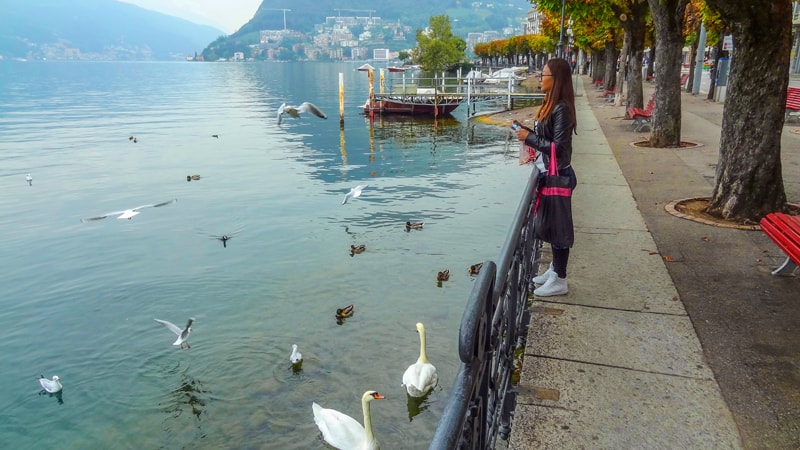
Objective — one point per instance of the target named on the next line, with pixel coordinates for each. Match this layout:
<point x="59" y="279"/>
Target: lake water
<point x="78" y="299"/>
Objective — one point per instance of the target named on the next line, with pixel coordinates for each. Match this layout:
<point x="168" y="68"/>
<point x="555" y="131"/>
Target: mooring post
<point x="469" y="93"/>
<point x="510" y="106"/>
<point x="371" y="77"/>
<point x="341" y="98"/>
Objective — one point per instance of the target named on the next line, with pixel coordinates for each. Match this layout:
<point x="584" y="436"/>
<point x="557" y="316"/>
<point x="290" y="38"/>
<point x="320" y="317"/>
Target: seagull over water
<point x="354" y="193"/>
<point x="183" y="335"/>
<point x="29" y="179"/>
<point x="129" y="213"/>
<point x="295" y="111"/>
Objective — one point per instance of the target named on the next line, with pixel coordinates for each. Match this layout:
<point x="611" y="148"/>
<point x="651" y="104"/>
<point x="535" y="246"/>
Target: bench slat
<point x="784" y="230"/>
<point x="793" y="98"/>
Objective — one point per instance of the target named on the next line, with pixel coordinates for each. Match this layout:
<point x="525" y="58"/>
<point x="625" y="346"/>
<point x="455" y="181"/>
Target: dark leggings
<point x="560" y="259"/>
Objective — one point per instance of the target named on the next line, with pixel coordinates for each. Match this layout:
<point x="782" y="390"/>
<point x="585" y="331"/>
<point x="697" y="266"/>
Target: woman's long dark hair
<point x="562" y="91"/>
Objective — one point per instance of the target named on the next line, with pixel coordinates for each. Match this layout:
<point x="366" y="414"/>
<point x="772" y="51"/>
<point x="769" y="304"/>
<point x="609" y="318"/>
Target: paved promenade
<point x="674" y="335"/>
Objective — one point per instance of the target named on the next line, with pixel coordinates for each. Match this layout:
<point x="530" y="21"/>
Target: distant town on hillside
<point x="346" y="37"/>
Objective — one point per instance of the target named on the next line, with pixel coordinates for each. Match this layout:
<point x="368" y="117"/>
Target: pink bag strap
<point x="553" y="167"/>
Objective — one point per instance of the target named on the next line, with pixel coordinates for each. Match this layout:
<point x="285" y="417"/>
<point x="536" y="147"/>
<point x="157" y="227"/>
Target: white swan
<point x="295" y="357"/>
<point x="421" y="376"/>
<point x="51" y="386"/>
<point x="344" y="432"/>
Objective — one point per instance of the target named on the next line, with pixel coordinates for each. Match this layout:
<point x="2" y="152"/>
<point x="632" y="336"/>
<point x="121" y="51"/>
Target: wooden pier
<point x="438" y="95"/>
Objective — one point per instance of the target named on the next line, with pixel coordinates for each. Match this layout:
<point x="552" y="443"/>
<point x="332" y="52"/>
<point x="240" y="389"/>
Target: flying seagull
<point x="295" y="111"/>
<point x="354" y="192"/>
<point x="183" y="335"/>
<point x="129" y="213"/>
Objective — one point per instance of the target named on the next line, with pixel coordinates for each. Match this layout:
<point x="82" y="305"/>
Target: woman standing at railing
<point x="555" y="123"/>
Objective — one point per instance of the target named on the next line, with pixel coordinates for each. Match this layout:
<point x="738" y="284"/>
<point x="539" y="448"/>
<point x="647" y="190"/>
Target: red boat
<point x="414" y="104"/>
<point x="408" y="98"/>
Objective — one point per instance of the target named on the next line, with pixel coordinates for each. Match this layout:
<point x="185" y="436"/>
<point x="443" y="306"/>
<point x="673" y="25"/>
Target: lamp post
<point x="560" y="53"/>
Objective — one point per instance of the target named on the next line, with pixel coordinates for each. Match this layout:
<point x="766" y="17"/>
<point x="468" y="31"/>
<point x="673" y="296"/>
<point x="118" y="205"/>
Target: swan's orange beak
<point x="377" y="396"/>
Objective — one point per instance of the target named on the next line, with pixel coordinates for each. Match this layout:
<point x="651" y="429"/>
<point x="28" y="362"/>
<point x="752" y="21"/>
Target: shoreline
<point x="523" y="115"/>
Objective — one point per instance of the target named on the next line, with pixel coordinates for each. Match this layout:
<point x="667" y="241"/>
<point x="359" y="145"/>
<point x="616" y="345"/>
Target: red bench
<point x="609" y="95"/>
<point x="792" y="102"/>
<point x="643" y="117"/>
<point x="784" y="230"/>
<point x="598" y="85"/>
<point x="684" y="78"/>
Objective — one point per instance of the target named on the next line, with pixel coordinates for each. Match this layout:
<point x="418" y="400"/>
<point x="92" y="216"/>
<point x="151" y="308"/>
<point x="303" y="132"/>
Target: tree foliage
<point x="437" y="47"/>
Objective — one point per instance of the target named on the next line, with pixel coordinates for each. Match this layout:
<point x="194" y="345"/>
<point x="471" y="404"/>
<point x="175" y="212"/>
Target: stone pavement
<point x="674" y="333"/>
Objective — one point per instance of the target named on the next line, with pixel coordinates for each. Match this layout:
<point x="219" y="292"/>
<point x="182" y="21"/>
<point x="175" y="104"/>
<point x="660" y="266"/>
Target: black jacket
<point x="555" y="127"/>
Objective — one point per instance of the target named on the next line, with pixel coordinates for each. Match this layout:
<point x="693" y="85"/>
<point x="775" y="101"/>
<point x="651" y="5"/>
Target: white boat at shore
<point x="503" y="76"/>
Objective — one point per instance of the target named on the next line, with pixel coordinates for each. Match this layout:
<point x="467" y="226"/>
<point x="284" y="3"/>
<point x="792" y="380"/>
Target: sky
<point x="227" y="15"/>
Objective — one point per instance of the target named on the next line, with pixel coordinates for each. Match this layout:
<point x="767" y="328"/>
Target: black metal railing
<point x="493" y="326"/>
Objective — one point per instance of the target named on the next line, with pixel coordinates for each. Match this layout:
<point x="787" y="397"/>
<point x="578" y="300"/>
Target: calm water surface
<point x="78" y="299"/>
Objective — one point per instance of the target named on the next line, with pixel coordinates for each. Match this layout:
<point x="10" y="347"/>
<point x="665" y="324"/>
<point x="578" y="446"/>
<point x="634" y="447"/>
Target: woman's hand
<point x="522" y="130"/>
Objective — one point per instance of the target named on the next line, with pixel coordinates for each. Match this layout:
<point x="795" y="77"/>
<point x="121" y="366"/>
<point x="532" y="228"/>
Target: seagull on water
<point x="295" y="111"/>
<point x="129" y="213"/>
<point x="29" y="179"/>
<point x="50" y="386"/>
<point x="354" y="193"/>
<point x="183" y="335"/>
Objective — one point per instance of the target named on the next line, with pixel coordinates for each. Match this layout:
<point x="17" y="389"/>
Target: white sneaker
<point x="553" y="286"/>
<point x="544" y="276"/>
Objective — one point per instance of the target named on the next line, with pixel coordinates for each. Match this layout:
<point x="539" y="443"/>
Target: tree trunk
<point x="693" y="59"/>
<point x="668" y="21"/>
<point x="623" y="61"/>
<point x="637" y="24"/>
<point x="597" y="69"/>
<point x="749" y="182"/>
<point x="611" y="61"/>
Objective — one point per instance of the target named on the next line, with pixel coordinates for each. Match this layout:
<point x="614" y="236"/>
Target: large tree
<point x="437" y="48"/>
<point x="668" y="21"/>
<point x="749" y="182"/>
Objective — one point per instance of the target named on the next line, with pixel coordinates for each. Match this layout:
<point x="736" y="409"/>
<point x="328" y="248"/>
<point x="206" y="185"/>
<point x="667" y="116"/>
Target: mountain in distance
<point x="304" y="15"/>
<point x="96" y="30"/>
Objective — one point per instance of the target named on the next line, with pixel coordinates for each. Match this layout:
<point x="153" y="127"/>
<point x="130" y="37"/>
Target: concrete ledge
<point x="613" y="268"/>
<point x="657" y="343"/>
<point x="601" y="407"/>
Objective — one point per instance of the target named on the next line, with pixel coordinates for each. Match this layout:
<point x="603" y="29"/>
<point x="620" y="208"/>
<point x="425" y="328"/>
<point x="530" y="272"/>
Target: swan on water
<point x="344" y="432"/>
<point x="421" y="376"/>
